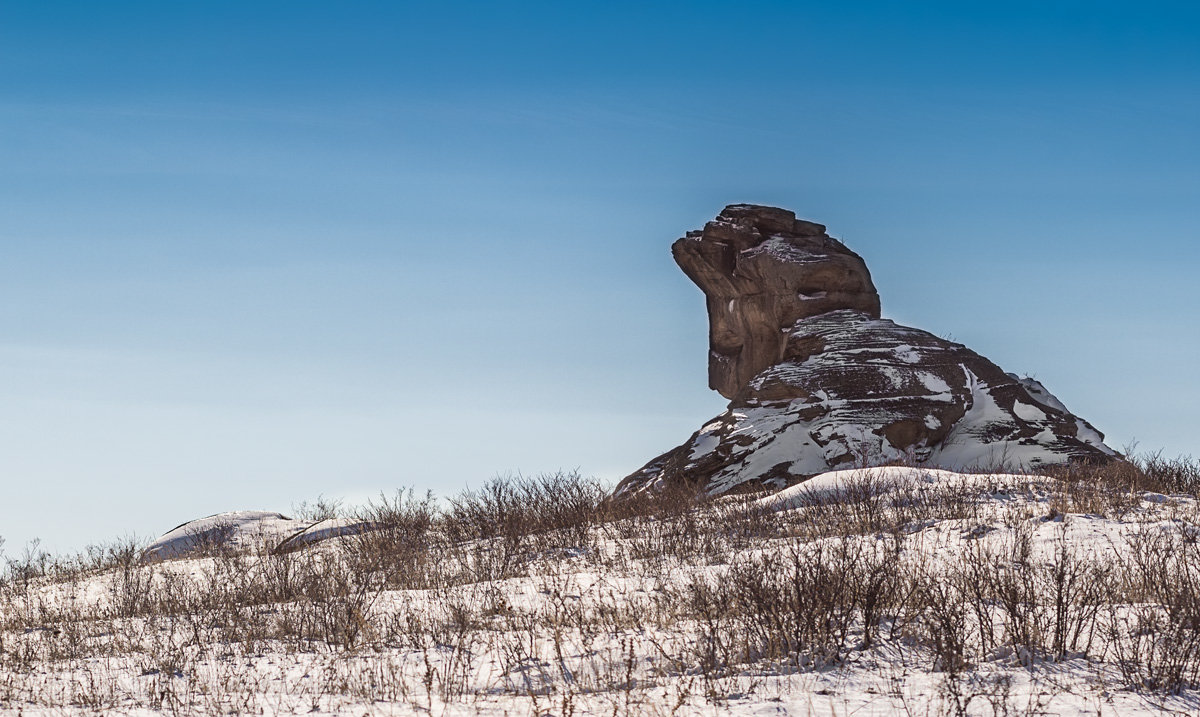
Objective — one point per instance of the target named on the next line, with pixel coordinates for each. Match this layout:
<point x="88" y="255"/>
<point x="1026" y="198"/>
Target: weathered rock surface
<point x="761" y="270"/>
<point x="837" y="386"/>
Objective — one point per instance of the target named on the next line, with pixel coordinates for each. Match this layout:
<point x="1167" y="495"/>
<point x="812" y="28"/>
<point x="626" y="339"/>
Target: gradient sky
<point x="252" y="253"/>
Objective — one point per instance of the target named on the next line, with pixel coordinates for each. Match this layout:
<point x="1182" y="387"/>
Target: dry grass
<point x="542" y="592"/>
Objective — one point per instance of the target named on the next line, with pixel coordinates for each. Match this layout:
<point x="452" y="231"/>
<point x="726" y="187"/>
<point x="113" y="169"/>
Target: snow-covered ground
<point x="876" y="592"/>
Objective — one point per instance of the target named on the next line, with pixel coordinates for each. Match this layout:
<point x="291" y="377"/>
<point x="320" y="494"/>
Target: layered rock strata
<point x="818" y="381"/>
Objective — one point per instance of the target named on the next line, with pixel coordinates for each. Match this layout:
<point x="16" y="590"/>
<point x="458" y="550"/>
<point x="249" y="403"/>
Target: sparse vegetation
<point x="540" y="595"/>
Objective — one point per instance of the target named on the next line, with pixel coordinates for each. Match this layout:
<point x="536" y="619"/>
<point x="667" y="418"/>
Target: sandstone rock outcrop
<point x="819" y="381"/>
<point x="761" y="270"/>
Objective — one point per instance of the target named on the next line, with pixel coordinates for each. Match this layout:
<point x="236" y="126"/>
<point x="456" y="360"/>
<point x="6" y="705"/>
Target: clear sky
<point x="252" y="252"/>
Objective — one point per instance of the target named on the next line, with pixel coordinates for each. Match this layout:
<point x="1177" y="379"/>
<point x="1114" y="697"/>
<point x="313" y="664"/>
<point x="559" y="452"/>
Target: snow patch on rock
<point x="239" y="530"/>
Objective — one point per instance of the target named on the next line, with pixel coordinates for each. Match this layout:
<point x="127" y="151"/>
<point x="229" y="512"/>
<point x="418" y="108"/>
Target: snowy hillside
<point x="872" y="592"/>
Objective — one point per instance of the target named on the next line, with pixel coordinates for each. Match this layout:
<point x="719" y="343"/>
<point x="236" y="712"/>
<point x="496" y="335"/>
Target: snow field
<point x="878" y="592"/>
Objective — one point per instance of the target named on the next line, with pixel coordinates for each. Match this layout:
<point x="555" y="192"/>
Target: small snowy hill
<point x="245" y="531"/>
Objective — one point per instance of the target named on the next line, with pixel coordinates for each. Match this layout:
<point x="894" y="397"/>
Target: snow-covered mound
<point x="836" y="486"/>
<point x="250" y="530"/>
<point x="326" y="530"/>
<point x="237" y="530"/>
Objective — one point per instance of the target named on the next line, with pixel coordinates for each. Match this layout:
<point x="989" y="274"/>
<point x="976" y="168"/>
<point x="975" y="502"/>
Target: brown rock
<point x="819" y="381"/>
<point x="762" y="270"/>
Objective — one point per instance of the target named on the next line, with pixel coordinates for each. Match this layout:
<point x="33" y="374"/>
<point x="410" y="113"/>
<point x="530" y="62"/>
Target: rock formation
<point x="818" y="381"/>
<point x="249" y="531"/>
<point x="761" y="270"/>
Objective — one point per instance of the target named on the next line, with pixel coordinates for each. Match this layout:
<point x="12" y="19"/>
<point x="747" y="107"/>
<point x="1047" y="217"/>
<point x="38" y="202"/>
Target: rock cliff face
<point x="761" y="270"/>
<point x="819" y="381"/>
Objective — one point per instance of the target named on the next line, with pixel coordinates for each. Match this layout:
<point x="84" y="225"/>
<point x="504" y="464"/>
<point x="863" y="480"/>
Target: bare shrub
<point x="1156" y="638"/>
<point x="1171" y="475"/>
<point x="544" y="590"/>
<point x="403" y="541"/>
<point x="945" y="621"/>
<point x="1138" y="472"/>
<point x="518" y="514"/>
<point x="801" y="606"/>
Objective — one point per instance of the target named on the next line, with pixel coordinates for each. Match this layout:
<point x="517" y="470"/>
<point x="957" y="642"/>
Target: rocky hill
<point x="817" y="380"/>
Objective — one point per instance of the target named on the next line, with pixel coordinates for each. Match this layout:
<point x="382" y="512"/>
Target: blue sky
<point x="253" y="253"/>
